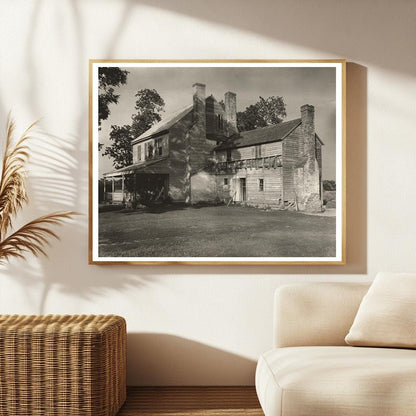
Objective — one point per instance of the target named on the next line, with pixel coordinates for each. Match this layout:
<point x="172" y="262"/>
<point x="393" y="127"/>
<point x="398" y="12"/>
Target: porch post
<point x="135" y="187"/>
<point x="122" y="188"/>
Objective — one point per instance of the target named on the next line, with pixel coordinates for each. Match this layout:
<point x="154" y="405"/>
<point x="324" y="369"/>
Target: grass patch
<point x="214" y="232"/>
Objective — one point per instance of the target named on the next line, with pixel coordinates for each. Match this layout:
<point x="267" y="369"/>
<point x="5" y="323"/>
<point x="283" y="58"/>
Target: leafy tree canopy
<point x="265" y="112"/>
<point x="120" y="149"/>
<point x="108" y="77"/>
<point x="249" y="119"/>
<point x="149" y="105"/>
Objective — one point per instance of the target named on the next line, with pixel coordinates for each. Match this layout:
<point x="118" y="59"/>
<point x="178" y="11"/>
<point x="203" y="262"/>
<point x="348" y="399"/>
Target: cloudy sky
<point x="297" y="86"/>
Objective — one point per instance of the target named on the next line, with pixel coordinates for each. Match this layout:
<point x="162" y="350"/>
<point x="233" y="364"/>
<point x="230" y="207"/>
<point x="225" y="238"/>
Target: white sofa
<point x="312" y="372"/>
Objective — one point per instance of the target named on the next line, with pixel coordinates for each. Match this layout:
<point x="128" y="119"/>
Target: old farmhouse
<point x="198" y="155"/>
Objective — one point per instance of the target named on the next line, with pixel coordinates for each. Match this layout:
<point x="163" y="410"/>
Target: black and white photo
<point x="217" y="162"/>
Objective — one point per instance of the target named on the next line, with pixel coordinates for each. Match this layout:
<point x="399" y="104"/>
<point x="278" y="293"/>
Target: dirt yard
<point x="215" y="232"/>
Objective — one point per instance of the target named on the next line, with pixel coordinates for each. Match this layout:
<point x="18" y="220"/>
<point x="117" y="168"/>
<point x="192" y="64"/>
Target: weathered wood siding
<point x="272" y="193"/>
<point x="291" y="153"/>
<point x="242" y="153"/>
<point x="249" y="152"/>
<point x="272" y="187"/>
<point x="272" y="149"/>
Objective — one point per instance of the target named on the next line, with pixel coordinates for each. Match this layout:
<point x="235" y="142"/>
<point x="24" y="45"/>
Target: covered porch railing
<point x="113" y="189"/>
<point x="269" y="162"/>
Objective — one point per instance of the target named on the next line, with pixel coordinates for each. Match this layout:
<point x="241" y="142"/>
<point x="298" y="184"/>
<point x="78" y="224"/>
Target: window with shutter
<point x="159" y="147"/>
<point x="150" y="151"/>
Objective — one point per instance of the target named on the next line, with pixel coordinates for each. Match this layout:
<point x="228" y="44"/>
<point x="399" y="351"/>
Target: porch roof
<point x="135" y="167"/>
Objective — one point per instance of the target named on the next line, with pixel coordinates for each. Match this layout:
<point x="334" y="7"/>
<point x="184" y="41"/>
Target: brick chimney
<point x="199" y="106"/>
<point x="308" y="129"/>
<point x="310" y="192"/>
<point x="230" y="113"/>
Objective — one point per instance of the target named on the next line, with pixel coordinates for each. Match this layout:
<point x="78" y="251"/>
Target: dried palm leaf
<point x="35" y="235"/>
<point x="12" y="187"/>
<point x="32" y="237"/>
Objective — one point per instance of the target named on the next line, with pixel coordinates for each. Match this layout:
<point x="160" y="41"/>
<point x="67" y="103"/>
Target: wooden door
<point x="243" y="189"/>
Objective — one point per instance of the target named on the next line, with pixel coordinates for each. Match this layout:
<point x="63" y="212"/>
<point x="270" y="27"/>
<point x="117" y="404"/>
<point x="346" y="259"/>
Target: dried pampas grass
<point x="34" y="236"/>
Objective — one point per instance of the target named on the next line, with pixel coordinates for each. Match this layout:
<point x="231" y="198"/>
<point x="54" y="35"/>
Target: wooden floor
<point x="195" y="401"/>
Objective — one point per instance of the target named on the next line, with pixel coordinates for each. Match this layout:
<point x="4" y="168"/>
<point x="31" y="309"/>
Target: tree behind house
<point x="120" y="150"/>
<point x="265" y="112"/>
<point x="149" y="105"/>
<point x="108" y="77"/>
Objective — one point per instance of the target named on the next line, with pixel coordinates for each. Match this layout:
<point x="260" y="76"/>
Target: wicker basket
<point x="70" y="365"/>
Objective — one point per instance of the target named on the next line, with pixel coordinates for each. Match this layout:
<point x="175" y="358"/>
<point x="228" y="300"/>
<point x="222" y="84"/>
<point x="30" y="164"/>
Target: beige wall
<point x="204" y="325"/>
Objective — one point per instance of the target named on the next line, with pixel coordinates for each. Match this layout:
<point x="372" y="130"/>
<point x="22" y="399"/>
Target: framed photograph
<point x="217" y="162"/>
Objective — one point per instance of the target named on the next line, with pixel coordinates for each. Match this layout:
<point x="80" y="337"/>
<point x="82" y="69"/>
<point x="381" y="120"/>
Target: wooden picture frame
<point x="245" y="166"/>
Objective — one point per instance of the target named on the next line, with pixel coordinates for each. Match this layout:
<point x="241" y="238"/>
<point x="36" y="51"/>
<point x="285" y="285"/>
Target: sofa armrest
<point x="315" y="313"/>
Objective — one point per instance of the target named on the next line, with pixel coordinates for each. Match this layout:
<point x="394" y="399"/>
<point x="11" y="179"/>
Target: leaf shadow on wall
<point x="51" y="186"/>
<point x="58" y="175"/>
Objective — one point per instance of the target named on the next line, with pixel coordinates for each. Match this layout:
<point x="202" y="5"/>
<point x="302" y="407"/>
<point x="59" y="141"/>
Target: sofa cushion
<point x="315" y="313"/>
<point x="337" y="381"/>
<point x="387" y="314"/>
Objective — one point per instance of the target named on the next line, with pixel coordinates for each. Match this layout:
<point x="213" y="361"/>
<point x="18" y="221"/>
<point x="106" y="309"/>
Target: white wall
<point x="204" y="325"/>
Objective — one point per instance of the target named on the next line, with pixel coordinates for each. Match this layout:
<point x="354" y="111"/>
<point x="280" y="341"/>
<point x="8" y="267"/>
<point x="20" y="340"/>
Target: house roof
<point x="274" y="133"/>
<point x="166" y="123"/>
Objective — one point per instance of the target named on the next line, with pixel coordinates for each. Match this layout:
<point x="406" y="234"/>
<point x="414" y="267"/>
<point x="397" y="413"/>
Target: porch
<point x="133" y="188"/>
